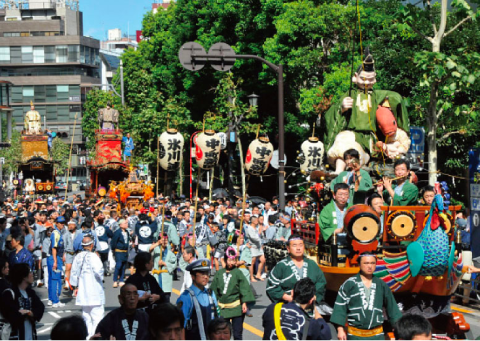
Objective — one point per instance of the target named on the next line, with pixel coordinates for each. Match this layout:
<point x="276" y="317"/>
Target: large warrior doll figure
<point x="370" y="121"/>
<point x="108" y="118"/>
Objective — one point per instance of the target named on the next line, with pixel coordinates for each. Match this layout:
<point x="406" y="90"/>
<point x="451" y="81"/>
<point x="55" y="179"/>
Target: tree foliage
<point x="314" y="40"/>
<point x="60" y="153"/>
<point x="13" y="154"/>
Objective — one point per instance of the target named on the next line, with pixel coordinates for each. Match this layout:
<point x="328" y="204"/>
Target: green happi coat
<point x="352" y="306"/>
<point x="166" y="280"/>
<point x="407" y="197"/>
<point x="365" y="185"/>
<point x="285" y="232"/>
<point x="246" y="256"/>
<point x="230" y="287"/>
<point x="357" y="119"/>
<point x="328" y="220"/>
<point x="284" y="275"/>
<point x="171" y="231"/>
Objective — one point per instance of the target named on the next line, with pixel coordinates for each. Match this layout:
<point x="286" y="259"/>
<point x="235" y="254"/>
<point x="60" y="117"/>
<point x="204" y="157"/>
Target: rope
<point x="363" y="68"/>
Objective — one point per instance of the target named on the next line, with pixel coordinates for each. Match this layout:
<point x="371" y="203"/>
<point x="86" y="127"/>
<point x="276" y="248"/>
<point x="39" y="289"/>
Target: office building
<point x="44" y="54"/>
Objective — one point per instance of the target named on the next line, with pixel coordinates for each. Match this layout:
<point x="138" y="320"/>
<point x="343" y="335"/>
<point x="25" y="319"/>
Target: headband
<point x="367" y="255"/>
<point x="231" y="253"/>
<point x="87" y="243"/>
<point x="295" y="238"/>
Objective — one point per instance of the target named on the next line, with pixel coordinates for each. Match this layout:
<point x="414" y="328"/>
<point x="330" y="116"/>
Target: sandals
<point x="115" y="284"/>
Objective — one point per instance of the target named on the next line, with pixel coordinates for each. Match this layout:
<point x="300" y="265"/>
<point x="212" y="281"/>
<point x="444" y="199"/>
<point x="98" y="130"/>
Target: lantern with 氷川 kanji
<point x="312" y="150"/>
<point x="171" y="149"/>
<point x="207" y="150"/>
<point x="259" y="155"/>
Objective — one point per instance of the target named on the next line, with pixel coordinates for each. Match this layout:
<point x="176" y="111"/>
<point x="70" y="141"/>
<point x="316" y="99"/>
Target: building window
<point x="4" y="54"/>
<point x="62" y="88"/>
<point x="82" y="54"/>
<point x="73" y="53"/>
<point x="28" y="91"/>
<point x="38" y="54"/>
<point x="62" y="54"/>
<point x="25" y="34"/>
<point x="88" y="55"/>
<point x="49" y="54"/>
<point x="27" y="54"/>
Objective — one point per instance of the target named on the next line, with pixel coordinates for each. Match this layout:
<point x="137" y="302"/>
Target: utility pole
<point x="122" y="93"/>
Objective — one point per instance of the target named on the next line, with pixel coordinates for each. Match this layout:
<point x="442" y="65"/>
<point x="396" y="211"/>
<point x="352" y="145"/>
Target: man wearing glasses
<point x="198" y="303"/>
<point x="332" y="215"/>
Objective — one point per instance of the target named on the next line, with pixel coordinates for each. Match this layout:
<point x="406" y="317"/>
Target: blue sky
<point x="101" y="15"/>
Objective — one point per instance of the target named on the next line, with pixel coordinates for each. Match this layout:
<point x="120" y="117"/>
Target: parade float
<point x="112" y="176"/>
<point x="417" y="249"/>
<point x="37" y="168"/>
<point x="107" y="164"/>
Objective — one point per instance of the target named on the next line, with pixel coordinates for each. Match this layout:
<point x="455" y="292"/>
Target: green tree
<point x="13" y="154"/>
<point x="447" y="74"/>
<point x="60" y="154"/>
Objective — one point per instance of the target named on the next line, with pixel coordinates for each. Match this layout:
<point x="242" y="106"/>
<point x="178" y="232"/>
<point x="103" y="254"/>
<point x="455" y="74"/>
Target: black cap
<point x="368" y="64"/>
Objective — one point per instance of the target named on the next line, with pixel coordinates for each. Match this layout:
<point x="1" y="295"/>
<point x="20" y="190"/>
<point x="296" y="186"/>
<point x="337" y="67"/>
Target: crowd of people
<point x="218" y="246"/>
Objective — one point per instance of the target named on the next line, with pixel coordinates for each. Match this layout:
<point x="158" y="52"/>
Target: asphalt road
<point x="252" y="327"/>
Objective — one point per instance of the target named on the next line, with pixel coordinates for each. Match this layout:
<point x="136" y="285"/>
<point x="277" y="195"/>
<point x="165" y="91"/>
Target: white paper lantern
<point x="312" y="150"/>
<point x="207" y="150"/>
<point x="171" y="149"/>
<point x="259" y="155"/>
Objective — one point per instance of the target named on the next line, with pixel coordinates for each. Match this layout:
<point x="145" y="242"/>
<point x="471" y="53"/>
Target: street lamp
<point x="253" y="100"/>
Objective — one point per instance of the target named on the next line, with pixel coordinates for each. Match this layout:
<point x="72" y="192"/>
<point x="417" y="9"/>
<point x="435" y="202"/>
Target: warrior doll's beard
<point x="230" y="267"/>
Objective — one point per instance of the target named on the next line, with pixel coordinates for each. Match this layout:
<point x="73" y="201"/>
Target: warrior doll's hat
<point x="368" y="64"/>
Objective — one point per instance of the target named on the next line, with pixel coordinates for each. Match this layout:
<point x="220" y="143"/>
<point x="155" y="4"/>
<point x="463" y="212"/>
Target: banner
<point x="474" y="179"/>
<point x="417" y="148"/>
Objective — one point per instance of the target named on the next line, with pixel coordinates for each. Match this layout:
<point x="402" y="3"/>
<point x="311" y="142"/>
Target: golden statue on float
<point x="33" y="121"/>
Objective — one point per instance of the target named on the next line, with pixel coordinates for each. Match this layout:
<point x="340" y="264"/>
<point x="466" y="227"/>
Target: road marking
<point x="60" y="311"/>
<point x="248" y="327"/>
<point x="253" y="330"/>
<point x="54" y="314"/>
<point x="45" y="299"/>
<point x="463" y="310"/>
<point x="68" y="311"/>
<point x="41" y="331"/>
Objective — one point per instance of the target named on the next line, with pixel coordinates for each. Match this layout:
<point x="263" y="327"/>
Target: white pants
<point x="45" y="276"/>
<point x="111" y="261"/>
<point x="92" y="315"/>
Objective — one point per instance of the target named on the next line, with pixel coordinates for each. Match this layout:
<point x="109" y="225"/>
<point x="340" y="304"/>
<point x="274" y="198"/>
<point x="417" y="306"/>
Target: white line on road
<point x="60" y="311"/>
<point x="68" y="311"/>
<point x="41" y="331"/>
<point x="54" y="314"/>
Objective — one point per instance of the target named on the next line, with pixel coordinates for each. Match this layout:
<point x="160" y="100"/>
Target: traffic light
<point x="4" y="144"/>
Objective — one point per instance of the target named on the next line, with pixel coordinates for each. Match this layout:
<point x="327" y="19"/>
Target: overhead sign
<point x="416" y="153"/>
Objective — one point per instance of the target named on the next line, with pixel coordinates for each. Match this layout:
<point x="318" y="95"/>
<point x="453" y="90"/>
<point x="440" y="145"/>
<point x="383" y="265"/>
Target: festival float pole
<point x="70" y="157"/>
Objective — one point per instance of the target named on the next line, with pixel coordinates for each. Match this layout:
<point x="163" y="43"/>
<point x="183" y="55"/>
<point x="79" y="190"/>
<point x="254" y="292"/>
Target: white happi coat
<point x="87" y="275"/>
